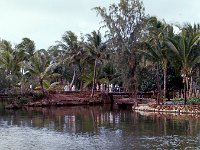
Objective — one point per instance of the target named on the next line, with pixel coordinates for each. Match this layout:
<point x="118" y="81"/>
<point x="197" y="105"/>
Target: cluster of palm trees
<point x="181" y="50"/>
<point x="70" y="61"/>
<point x="87" y="60"/>
<point x="22" y="66"/>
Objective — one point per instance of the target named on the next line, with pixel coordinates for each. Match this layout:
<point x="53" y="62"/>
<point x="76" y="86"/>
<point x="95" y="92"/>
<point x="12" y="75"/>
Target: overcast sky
<point x="44" y="21"/>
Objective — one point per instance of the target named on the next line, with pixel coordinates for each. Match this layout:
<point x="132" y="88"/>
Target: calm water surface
<point x="96" y="128"/>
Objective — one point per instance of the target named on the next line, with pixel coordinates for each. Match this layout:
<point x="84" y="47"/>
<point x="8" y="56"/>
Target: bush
<point x="178" y="101"/>
<point x="194" y="100"/>
<point x="22" y="100"/>
<point x="37" y="96"/>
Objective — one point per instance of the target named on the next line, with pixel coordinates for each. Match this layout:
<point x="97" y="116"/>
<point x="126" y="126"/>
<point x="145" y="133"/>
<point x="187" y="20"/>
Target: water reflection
<point x="97" y="127"/>
<point x="78" y="119"/>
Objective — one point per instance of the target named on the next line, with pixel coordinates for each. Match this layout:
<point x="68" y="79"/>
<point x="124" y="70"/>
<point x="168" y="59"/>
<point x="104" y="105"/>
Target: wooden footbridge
<point x="127" y="98"/>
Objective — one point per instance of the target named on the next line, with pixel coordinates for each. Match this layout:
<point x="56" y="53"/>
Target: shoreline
<point x="60" y="99"/>
<point x="178" y="109"/>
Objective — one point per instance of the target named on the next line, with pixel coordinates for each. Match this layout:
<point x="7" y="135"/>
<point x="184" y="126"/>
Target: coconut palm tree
<point x="89" y="76"/>
<point x="10" y="64"/>
<point x="192" y="30"/>
<point x="27" y="45"/>
<point x="5" y="46"/>
<point x="41" y="68"/>
<point x="73" y="53"/>
<point x="185" y="53"/>
<point x="94" y="46"/>
<point x="157" y="50"/>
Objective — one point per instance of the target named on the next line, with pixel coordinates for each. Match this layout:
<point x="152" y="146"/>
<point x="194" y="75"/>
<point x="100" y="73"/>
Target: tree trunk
<point x="185" y="93"/>
<point x="81" y="70"/>
<point x="23" y="90"/>
<point x="191" y="88"/>
<point x="94" y="78"/>
<point x="73" y="78"/>
<point x="158" y="85"/>
<point x="42" y="87"/>
<point x="165" y="78"/>
<point x="132" y="81"/>
<point x="81" y="85"/>
<point x="132" y="67"/>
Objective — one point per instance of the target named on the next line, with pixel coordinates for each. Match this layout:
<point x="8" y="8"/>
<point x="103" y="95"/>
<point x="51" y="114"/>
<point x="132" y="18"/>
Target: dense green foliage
<point x="137" y="52"/>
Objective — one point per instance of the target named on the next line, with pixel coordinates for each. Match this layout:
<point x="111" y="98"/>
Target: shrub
<point x="194" y="100"/>
<point x="177" y="101"/>
<point x="37" y="96"/>
<point x="22" y="100"/>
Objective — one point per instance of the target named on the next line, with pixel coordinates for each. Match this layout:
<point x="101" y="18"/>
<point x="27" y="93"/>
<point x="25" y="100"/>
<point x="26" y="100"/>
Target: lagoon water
<point x="96" y="128"/>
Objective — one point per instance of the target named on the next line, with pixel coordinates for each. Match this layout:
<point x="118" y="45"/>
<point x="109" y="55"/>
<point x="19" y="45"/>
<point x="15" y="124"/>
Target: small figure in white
<point x="197" y="93"/>
<point x="110" y="87"/>
<point x="97" y="87"/>
<point x="101" y="87"/>
<point x="117" y="88"/>
<point x="73" y="88"/>
<point x="66" y="88"/>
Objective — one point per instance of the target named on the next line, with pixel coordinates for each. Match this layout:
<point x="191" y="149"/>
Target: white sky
<point x="45" y="21"/>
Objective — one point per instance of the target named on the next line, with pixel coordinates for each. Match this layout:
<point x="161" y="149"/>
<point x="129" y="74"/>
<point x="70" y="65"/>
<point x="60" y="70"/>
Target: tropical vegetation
<point x="137" y="52"/>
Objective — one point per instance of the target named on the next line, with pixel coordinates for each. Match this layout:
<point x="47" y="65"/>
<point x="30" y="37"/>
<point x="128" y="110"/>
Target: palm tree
<point x="27" y="45"/>
<point x="109" y="72"/>
<point x="10" y="64"/>
<point x="41" y="68"/>
<point x="185" y="53"/>
<point x="89" y="76"/>
<point x="154" y="54"/>
<point x="94" y="46"/>
<point x="157" y="50"/>
<point x="73" y="52"/>
<point x="5" y="46"/>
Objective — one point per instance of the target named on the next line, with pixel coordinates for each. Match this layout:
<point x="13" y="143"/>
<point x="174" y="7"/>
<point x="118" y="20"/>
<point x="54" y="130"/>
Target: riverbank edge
<point x="59" y="99"/>
<point x="184" y="109"/>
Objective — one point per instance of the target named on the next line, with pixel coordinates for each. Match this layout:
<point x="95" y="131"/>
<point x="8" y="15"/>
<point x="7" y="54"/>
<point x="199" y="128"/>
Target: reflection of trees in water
<point x="171" y="124"/>
<point x="95" y="119"/>
<point x="71" y="119"/>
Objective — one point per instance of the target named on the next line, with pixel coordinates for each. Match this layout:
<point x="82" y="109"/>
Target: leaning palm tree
<point x="73" y="53"/>
<point x="185" y="54"/>
<point x="94" y="46"/>
<point x="41" y="68"/>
